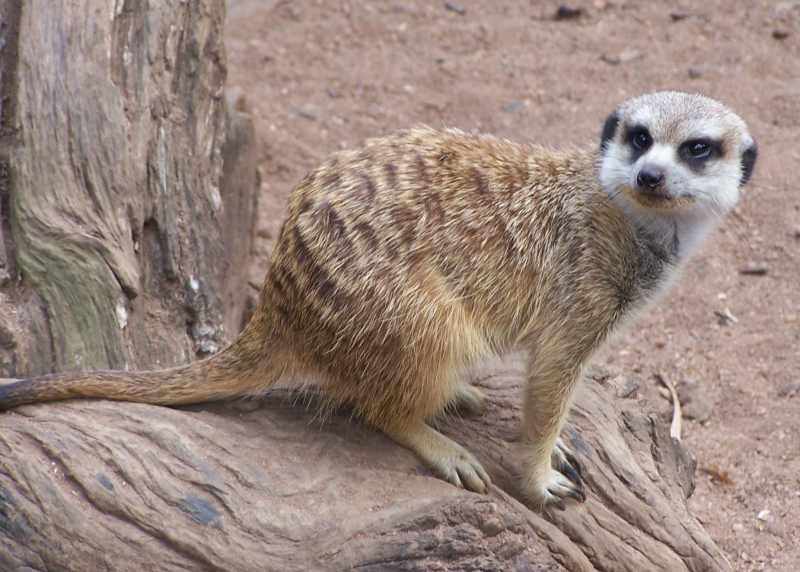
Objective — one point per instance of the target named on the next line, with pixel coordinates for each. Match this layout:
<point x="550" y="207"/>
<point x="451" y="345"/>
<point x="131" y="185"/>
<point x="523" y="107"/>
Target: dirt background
<point x="320" y="76"/>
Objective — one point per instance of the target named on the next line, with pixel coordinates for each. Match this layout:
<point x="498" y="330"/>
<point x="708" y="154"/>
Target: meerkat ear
<point x="748" y="162"/>
<point x="609" y="129"/>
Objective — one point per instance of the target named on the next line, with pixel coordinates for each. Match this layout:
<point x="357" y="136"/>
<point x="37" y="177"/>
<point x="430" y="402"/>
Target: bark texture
<point x="264" y="485"/>
<point x="127" y="212"/>
<point x="127" y="196"/>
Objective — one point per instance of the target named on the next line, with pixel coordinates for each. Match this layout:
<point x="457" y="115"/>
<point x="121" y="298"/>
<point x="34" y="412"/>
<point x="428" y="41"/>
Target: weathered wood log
<point x="263" y="485"/>
<point x="123" y="245"/>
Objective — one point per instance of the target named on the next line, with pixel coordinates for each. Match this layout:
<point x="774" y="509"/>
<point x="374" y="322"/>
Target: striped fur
<point x="402" y="263"/>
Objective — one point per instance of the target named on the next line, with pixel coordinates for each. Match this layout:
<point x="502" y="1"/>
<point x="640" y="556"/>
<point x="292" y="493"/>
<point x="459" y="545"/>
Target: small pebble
<point x="457" y="8"/>
<point x="627" y="55"/>
<point x="514" y="106"/>
<point x="306" y="112"/>
<point x="695" y="73"/>
<point x="763" y="515"/>
<point x="565" y="12"/>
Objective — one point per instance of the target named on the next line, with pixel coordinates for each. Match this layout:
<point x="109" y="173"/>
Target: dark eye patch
<point x="639" y="139"/>
<point x="695" y="152"/>
<point x="609" y="129"/>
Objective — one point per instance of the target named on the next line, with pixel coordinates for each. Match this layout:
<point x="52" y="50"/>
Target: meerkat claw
<point x="557" y="490"/>
<point x="577" y="493"/>
<point x="449" y="460"/>
<point x="463" y="471"/>
<point x="571" y="473"/>
<point x="564" y="461"/>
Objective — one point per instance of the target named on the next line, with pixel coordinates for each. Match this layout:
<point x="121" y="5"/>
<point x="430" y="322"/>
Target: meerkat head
<point x="675" y="154"/>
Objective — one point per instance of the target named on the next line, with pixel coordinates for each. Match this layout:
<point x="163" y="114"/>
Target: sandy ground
<point x="319" y="76"/>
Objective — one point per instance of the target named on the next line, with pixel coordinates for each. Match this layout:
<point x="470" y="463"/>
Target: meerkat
<point x="404" y="262"/>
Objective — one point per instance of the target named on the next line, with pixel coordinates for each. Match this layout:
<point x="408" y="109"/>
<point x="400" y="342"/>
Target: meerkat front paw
<point x="553" y="490"/>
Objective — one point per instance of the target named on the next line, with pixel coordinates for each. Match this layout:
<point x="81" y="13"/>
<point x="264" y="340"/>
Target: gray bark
<point x="123" y="243"/>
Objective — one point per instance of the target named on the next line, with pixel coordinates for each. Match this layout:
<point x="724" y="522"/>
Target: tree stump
<point x="127" y="194"/>
<point x="123" y="245"/>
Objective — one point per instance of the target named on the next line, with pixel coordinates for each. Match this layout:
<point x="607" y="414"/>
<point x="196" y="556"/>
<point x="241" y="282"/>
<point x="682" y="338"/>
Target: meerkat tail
<point x="244" y="368"/>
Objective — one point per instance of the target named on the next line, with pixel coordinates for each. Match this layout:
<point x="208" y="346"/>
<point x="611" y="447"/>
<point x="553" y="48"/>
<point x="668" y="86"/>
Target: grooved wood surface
<point x="264" y="485"/>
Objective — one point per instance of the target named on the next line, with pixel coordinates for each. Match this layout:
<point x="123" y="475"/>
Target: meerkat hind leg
<point x="445" y="457"/>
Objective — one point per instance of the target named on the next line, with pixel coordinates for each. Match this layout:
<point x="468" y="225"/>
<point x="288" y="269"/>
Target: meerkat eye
<point x="696" y="150"/>
<point x="640" y="139"/>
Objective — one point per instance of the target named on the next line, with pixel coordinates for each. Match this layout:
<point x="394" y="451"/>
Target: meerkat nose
<point x="649" y="178"/>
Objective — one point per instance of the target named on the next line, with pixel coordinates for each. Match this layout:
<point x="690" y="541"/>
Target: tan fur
<point x="406" y="261"/>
